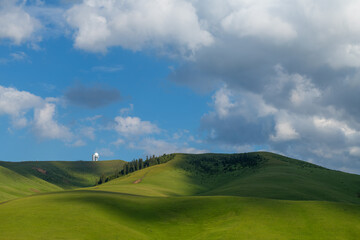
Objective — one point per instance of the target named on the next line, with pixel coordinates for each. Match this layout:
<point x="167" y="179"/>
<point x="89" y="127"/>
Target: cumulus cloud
<point x="19" y="105"/>
<point x="46" y="127"/>
<point x="136" y="25"/>
<point x="134" y="126"/>
<point x="255" y="19"/>
<point x="285" y="76"/>
<point x="307" y="127"/>
<point x="284" y="132"/>
<point x="324" y="47"/>
<point x="138" y="134"/>
<point x="16" y="23"/>
<point x="238" y="118"/>
<point x="16" y="104"/>
<point x="92" y="96"/>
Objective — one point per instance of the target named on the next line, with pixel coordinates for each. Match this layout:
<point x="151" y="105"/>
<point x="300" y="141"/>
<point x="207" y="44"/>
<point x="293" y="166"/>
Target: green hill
<point x="24" y="178"/>
<point x="206" y="196"/>
<point x="272" y="176"/>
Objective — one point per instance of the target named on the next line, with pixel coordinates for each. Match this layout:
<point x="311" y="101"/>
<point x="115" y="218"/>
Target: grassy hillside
<point x="273" y="176"/>
<point x="25" y="178"/>
<point x="13" y="185"/>
<point x="106" y="215"/>
<point x="205" y="196"/>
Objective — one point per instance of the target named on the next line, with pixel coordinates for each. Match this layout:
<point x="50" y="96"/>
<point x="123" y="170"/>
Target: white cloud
<point x="355" y="151"/>
<point x="16" y="24"/>
<point x="299" y="89"/>
<point x="332" y="125"/>
<point x="222" y="102"/>
<point x="345" y="55"/>
<point x="289" y="116"/>
<point x="304" y="91"/>
<point x="228" y="103"/>
<point x="14" y="102"/>
<point x="17" y="103"/>
<point x="18" y="56"/>
<point x="134" y="126"/>
<point x="128" y="110"/>
<point x="253" y="18"/>
<point x="135" y="25"/>
<point x="284" y="132"/>
<point x="46" y="127"/>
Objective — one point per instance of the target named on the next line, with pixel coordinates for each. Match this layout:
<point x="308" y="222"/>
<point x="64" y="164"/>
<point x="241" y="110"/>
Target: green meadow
<point x="205" y="196"/>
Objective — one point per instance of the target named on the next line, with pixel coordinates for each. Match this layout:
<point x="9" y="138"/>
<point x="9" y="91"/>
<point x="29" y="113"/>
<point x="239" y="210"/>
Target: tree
<point x="136" y="165"/>
<point x="126" y="168"/>
<point x="131" y="167"/>
<point x="141" y="163"/>
<point x="102" y="179"/>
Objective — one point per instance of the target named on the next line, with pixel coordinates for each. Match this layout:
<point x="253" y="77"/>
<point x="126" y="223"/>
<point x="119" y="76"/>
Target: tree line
<point x="135" y="165"/>
<point x="220" y="163"/>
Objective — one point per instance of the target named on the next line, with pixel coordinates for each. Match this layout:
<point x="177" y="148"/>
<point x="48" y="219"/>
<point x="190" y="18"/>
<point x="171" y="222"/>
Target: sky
<point x="131" y="78"/>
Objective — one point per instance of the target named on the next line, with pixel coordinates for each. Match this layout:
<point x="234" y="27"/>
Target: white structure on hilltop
<point x="95" y="157"/>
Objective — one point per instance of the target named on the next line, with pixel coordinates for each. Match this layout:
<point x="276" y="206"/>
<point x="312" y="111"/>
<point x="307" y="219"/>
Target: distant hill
<point x="24" y="178"/>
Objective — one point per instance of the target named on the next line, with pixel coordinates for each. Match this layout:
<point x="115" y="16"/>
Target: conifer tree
<point x="141" y="163"/>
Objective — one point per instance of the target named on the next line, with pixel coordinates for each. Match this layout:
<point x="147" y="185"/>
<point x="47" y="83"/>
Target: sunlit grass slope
<point x="25" y="178"/>
<point x="106" y="215"/>
<point x="275" y="177"/>
<point x="13" y="185"/>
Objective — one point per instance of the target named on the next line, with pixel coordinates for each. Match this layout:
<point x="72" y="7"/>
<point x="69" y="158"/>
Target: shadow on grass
<point x="60" y="173"/>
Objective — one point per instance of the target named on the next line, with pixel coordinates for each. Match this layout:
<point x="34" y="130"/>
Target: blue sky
<point x="140" y="80"/>
<point x="130" y="78"/>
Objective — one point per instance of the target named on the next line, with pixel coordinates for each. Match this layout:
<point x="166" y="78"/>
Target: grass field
<point x="276" y="198"/>
<point x="105" y="215"/>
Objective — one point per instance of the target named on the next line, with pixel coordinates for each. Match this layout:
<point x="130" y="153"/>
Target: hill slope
<point x="106" y="215"/>
<point x="24" y="178"/>
<point x="273" y="176"/>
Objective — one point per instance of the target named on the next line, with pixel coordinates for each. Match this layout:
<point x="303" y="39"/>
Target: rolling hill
<point x="25" y="178"/>
<point x="274" y="176"/>
<point x="207" y="196"/>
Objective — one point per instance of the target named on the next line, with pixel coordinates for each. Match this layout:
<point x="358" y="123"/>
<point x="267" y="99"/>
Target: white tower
<point x="95" y="157"/>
